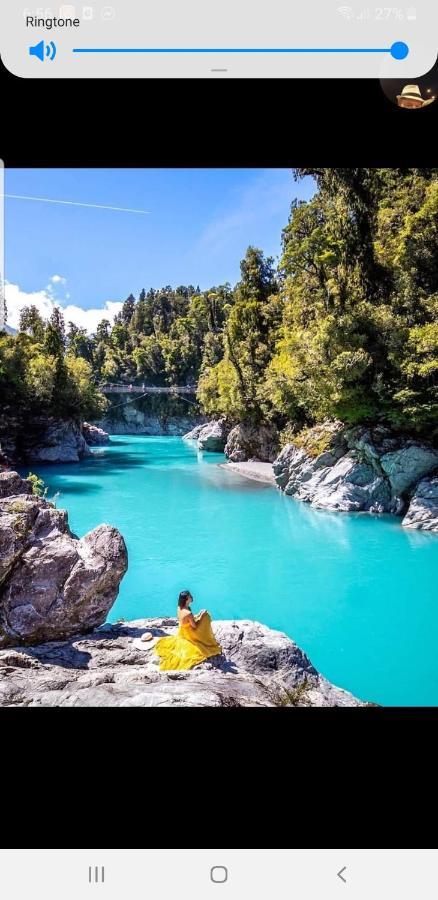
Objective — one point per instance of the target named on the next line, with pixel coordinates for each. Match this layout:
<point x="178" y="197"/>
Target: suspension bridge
<point x="146" y="389"/>
<point x="143" y="390"/>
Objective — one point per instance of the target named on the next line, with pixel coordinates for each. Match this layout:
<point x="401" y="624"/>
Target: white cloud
<point x="16" y="299"/>
<point x="90" y="318"/>
<point x="58" y="279"/>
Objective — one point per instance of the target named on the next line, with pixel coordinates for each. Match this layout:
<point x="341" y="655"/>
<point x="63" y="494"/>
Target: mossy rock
<point x="18" y="507"/>
<point x="320" y="438"/>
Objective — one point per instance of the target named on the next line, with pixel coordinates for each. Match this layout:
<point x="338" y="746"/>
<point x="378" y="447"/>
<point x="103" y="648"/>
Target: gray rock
<point x="405" y="466"/>
<point x="58" y="441"/>
<point x="423" y="508"/>
<point x="259" y="667"/>
<point x="348" y="486"/>
<point x="194" y="433"/>
<point x="371" y="443"/>
<point x="11" y="484"/>
<point x="94" y="435"/>
<point x="213" y="436"/>
<point x="358" y="470"/>
<point x="291" y="468"/>
<point x="52" y="584"/>
<point x="246" y="441"/>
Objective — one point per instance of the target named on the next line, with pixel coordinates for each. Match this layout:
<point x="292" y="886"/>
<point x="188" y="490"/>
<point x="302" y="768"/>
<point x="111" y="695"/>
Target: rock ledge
<point x="260" y="667"/>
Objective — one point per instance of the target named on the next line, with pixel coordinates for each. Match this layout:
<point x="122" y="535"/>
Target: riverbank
<point x="371" y="469"/>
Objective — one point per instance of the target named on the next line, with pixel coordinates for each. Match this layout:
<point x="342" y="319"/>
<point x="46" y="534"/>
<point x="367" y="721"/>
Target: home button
<point x="219" y="874"/>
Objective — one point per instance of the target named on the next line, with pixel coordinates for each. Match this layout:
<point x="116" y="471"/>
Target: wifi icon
<point x="43" y="51"/>
<point x="346" y="11"/>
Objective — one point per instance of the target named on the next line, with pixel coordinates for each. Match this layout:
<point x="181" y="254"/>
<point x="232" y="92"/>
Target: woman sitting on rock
<point x="194" y="642"/>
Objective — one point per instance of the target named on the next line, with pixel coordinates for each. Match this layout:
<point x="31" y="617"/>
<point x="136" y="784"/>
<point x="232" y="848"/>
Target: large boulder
<point x="401" y="460"/>
<point x="52" y="585"/>
<point x="354" y="469"/>
<point x="423" y="508"/>
<point x="247" y="441"/>
<point x="405" y="466"/>
<point x="94" y="435"/>
<point x="194" y="433"/>
<point x="54" y="441"/>
<point x="213" y="436"/>
<point x="110" y="667"/>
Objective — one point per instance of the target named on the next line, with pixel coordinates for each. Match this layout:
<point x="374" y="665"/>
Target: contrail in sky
<point x="141" y="212"/>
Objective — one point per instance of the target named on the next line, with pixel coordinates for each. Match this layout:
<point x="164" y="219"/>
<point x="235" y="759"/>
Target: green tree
<point x="249" y="340"/>
<point x="103" y="332"/>
<point x="78" y="342"/>
<point x="128" y="309"/>
<point x="359" y="278"/>
<point x="149" y="360"/>
<point x="31" y="322"/>
<point x="142" y="319"/>
<point x="57" y="323"/>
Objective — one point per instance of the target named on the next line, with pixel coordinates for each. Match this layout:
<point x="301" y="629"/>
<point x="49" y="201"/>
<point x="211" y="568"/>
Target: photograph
<point x="219" y="437"/>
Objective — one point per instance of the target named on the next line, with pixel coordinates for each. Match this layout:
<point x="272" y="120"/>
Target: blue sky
<point x="193" y="228"/>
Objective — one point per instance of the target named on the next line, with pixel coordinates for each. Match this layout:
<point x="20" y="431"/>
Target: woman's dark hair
<point x="182" y="599"/>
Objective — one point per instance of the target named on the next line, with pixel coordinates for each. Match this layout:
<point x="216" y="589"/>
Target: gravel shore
<point x="258" y="471"/>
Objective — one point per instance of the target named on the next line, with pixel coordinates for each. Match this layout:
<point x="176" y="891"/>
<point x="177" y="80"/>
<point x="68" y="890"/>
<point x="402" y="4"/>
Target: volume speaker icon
<point x="43" y="51"/>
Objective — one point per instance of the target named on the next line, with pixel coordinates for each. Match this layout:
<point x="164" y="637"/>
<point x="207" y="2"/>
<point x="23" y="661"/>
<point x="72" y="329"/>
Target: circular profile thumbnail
<point x="413" y="93"/>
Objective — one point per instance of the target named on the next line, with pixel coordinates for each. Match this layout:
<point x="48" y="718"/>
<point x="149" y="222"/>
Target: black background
<point x="228" y="776"/>
<point x="106" y="122"/>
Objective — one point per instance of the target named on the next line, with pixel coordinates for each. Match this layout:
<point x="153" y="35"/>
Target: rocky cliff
<point x="247" y="441"/>
<point x="52" y="585"/>
<point x="43" y="440"/>
<point x="112" y="667"/>
<point x="360" y="469"/>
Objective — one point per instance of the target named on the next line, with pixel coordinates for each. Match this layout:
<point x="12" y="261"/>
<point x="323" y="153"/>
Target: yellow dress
<point x="189" y="647"/>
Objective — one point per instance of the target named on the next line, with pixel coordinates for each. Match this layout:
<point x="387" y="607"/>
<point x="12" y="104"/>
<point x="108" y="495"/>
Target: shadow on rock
<point x="64" y="655"/>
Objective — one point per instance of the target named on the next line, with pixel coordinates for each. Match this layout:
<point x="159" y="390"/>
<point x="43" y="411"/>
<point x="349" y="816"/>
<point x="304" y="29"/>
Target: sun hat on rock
<point x="144" y="645"/>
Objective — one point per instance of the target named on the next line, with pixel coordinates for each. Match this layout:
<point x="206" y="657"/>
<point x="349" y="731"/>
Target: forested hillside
<point x="350" y="328"/>
<point x="346" y="326"/>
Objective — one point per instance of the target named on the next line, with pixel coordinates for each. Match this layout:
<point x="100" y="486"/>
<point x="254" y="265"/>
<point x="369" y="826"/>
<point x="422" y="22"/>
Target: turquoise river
<point x="358" y="593"/>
